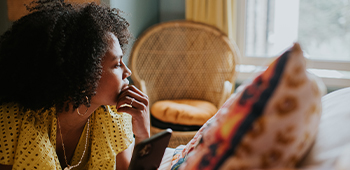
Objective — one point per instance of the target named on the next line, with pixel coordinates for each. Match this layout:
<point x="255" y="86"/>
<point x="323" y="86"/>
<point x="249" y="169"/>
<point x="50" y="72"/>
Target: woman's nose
<point x="127" y="72"/>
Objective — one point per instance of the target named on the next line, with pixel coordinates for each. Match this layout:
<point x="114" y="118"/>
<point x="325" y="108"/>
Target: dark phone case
<point x="148" y="154"/>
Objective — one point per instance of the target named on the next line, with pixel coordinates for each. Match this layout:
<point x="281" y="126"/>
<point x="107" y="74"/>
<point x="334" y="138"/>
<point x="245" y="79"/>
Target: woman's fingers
<point x="134" y="96"/>
<point x="132" y="101"/>
<point x="129" y="103"/>
<point x="138" y="91"/>
<point x="135" y="93"/>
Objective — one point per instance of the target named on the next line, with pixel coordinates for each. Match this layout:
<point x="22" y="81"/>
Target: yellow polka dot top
<point x="28" y="140"/>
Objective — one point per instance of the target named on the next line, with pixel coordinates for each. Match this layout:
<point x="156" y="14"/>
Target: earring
<point x="87" y="100"/>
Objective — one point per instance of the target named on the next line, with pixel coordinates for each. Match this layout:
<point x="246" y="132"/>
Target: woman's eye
<point x="119" y="64"/>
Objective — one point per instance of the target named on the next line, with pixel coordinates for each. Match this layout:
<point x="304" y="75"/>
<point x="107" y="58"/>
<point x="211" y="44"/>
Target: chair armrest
<point x="226" y="93"/>
<point x="143" y="87"/>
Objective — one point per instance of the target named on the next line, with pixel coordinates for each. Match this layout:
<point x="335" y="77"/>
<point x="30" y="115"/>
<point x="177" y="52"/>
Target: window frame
<point x="263" y="61"/>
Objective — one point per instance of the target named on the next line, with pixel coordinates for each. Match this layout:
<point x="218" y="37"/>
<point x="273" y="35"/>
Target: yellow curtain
<point x="218" y="13"/>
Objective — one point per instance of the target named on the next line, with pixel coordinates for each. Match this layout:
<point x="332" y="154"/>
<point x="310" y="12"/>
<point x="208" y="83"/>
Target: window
<point x="266" y="28"/>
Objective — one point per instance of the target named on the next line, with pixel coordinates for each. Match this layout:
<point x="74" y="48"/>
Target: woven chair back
<point x="183" y="60"/>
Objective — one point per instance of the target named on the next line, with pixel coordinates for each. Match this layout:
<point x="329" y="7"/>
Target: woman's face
<point x="114" y="75"/>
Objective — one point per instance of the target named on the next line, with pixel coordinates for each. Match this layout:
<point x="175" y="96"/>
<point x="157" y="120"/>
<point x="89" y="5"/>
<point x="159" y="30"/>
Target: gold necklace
<point x="64" y="150"/>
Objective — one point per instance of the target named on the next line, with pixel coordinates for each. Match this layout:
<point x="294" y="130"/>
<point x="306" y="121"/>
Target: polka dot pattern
<point x="28" y="140"/>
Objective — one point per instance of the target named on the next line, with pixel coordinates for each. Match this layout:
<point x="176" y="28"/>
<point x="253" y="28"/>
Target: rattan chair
<point x="184" y="60"/>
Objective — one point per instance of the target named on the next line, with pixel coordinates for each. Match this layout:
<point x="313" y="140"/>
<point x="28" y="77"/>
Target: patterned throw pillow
<point x="270" y="123"/>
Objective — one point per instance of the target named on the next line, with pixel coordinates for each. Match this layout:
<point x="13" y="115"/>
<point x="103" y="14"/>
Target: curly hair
<point x="53" y="55"/>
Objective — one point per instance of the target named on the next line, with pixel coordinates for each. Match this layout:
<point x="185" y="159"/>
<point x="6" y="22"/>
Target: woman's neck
<point x="71" y="120"/>
<point x="70" y="126"/>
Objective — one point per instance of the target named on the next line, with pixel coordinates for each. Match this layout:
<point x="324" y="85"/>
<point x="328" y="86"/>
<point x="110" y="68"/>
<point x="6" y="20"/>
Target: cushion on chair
<point x="184" y="112"/>
<point x="271" y="123"/>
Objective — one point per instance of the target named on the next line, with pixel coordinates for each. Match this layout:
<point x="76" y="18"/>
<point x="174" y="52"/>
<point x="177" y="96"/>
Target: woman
<point x="65" y="101"/>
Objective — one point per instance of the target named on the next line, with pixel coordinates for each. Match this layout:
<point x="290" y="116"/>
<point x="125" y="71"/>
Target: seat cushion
<point x="184" y="112"/>
<point x="271" y="123"/>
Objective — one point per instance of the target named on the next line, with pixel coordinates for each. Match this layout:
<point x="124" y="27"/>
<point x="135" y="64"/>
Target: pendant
<point x="66" y="168"/>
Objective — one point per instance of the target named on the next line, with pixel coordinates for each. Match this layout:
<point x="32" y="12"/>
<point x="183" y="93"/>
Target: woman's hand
<point x="139" y="111"/>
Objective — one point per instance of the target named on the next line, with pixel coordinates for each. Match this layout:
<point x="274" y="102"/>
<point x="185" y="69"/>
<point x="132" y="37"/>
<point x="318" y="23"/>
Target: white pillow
<point x="165" y="164"/>
<point x="334" y="131"/>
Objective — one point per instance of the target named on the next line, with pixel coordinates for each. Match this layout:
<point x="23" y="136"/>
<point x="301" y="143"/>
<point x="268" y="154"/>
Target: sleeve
<point x="123" y="122"/>
<point x="112" y="128"/>
<point x="25" y="142"/>
<point x="10" y="130"/>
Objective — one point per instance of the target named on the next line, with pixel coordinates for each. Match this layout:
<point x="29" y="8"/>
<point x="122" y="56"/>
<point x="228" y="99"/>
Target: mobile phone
<point x="148" y="153"/>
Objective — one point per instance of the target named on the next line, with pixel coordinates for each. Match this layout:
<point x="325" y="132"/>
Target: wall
<point x="141" y="14"/>
<point x="171" y="10"/>
<point x="4" y="22"/>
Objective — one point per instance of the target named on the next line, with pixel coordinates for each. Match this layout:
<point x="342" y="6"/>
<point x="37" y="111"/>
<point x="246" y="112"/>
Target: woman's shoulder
<point x="14" y="112"/>
<point x="110" y="110"/>
<point x="10" y="123"/>
<point x="112" y="126"/>
<point x="8" y="106"/>
<point x="10" y="111"/>
<point x="24" y="132"/>
<point x="109" y="116"/>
